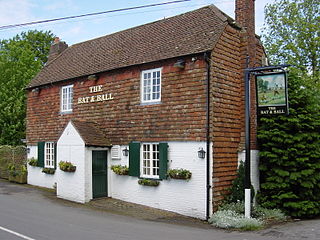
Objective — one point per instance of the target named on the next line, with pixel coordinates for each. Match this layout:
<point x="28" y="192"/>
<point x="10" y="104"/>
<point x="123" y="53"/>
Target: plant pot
<point x="18" y="178"/>
<point x="4" y="173"/>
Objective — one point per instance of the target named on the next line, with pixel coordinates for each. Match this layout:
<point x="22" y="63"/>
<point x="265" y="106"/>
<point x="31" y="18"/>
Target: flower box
<point x="48" y="170"/>
<point x="149" y="182"/>
<point x="67" y="166"/>
<point x="179" y="174"/>
<point x="19" y="178"/>
<point x="120" y="170"/>
<point x="33" y="162"/>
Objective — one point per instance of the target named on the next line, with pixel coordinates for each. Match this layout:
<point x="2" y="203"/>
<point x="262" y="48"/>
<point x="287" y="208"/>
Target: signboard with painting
<point x="272" y="94"/>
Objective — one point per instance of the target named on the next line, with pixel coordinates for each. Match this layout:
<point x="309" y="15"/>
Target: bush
<point x="180" y="174"/>
<point x="290" y="153"/>
<point x="67" y="166"/>
<point x="120" y="170"/>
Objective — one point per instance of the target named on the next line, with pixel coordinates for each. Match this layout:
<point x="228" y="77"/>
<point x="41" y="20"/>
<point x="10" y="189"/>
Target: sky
<point x="82" y="29"/>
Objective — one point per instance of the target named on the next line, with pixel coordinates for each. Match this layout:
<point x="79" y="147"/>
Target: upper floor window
<point x="151" y="85"/>
<point x="66" y="98"/>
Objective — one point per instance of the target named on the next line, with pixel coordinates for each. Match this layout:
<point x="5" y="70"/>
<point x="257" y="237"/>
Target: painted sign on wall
<point x="95" y="98"/>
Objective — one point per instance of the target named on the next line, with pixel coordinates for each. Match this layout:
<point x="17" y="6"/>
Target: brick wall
<point x="181" y="116"/>
<point x="225" y="110"/>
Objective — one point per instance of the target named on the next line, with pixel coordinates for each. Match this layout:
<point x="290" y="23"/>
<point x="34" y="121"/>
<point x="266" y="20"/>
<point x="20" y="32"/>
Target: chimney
<point x="56" y="48"/>
<point x="245" y="16"/>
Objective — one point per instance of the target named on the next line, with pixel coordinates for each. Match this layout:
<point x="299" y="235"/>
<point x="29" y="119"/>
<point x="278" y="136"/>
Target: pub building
<point x="163" y="96"/>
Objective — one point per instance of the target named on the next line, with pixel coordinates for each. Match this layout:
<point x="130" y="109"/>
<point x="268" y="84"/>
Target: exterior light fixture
<point x="180" y="64"/>
<point x="201" y="153"/>
<point x="93" y="77"/>
<point x="125" y="152"/>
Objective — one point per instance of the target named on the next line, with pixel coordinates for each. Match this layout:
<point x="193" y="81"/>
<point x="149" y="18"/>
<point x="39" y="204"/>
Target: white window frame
<point x="49" y="154"/>
<point x="147" y="89"/>
<point x="66" y="98"/>
<point x="154" y="155"/>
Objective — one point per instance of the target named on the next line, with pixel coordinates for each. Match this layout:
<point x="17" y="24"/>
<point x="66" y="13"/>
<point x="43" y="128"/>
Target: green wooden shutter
<point x="163" y="160"/>
<point x="55" y="155"/>
<point x="41" y="154"/>
<point x="134" y="159"/>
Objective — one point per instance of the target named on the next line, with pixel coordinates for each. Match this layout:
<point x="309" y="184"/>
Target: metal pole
<point x="247" y="183"/>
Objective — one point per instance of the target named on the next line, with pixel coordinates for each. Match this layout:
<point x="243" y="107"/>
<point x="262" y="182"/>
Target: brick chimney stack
<point x="56" y="48"/>
<point x="245" y="17"/>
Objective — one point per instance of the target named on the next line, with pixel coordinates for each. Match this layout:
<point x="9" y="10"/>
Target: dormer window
<point x="151" y="86"/>
<point x="66" y="98"/>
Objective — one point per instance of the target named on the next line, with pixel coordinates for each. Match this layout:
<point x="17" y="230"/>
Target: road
<point x="28" y="213"/>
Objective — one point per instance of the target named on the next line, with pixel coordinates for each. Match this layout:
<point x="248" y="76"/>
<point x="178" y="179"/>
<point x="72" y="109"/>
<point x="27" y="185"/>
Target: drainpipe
<point x="208" y="183"/>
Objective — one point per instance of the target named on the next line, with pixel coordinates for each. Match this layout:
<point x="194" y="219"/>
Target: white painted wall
<point x="184" y="197"/>
<point x="254" y="167"/>
<point x="35" y="175"/>
<point x="71" y="148"/>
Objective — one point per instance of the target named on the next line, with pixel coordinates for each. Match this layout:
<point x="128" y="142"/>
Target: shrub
<point x="179" y="173"/>
<point x="33" y="162"/>
<point x="148" y="182"/>
<point x="120" y="170"/>
<point x="67" y="166"/>
<point x="290" y="153"/>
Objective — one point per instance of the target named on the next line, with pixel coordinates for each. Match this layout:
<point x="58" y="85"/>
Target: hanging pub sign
<point x="272" y="93"/>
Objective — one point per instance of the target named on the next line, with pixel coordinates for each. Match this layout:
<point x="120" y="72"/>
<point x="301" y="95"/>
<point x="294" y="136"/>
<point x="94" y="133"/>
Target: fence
<point x="14" y="156"/>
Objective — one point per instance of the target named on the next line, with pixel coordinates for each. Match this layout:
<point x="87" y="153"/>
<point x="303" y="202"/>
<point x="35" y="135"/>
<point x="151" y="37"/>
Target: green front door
<point x="99" y="174"/>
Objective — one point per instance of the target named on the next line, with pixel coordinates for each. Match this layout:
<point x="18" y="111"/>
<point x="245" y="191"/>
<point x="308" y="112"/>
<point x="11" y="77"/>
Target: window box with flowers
<point x="33" y="162"/>
<point x="149" y="182"/>
<point x="179" y="174"/>
<point x="67" y="166"/>
<point x="120" y="170"/>
<point x="48" y="170"/>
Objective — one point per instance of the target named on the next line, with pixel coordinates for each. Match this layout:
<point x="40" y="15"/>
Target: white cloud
<point x="15" y="11"/>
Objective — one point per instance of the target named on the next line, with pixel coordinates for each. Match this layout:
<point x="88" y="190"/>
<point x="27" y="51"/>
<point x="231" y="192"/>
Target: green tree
<point x="290" y="154"/>
<point x="292" y="35"/>
<point x="20" y="60"/>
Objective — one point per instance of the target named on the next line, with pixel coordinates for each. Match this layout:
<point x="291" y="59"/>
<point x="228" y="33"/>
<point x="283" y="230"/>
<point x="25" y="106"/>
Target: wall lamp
<point x="125" y="152"/>
<point x="180" y="64"/>
<point x="201" y="153"/>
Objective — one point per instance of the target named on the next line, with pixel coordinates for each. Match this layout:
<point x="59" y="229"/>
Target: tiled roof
<point x="91" y="134"/>
<point x="185" y="34"/>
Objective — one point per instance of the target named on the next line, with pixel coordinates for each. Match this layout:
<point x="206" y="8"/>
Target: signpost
<point x="272" y="99"/>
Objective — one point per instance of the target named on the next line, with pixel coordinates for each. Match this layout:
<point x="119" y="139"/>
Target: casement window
<point x="148" y="160"/>
<point x="47" y="154"/>
<point x="66" y="98"/>
<point x="151" y="86"/>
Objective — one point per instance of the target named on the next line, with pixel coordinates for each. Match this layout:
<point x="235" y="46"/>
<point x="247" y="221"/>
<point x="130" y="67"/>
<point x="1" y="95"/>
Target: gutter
<point x="208" y="185"/>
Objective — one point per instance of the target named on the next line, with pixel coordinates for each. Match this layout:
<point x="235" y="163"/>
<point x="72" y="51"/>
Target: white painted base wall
<point x="35" y="175"/>
<point x="181" y="196"/>
<point x="184" y="197"/>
